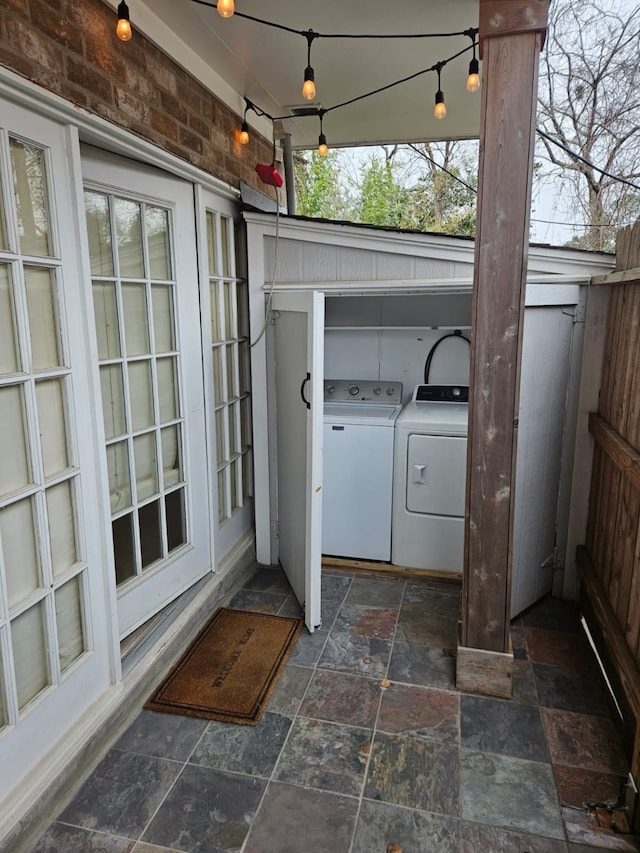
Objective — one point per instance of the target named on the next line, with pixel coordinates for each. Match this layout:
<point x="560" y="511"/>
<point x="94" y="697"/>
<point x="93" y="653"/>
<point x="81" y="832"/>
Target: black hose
<point x="427" y="364"/>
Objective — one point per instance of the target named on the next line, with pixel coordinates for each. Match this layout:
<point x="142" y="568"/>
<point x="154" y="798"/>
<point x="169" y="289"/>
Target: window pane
<point x="220" y="454"/>
<point x="20" y="551"/>
<point x="162" y="298"/>
<point x="42" y="317"/>
<point x="62" y="534"/>
<point x="32" y="199"/>
<point x="96" y="206"/>
<point x="211" y="244"/>
<point x="242" y="302"/>
<point x="231" y="353"/>
<point x="222" y="495"/>
<point x="8" y="345"/>
<point x="119" y="483"/>
<point x="136" y="326"/>
<point x="229" y="320"/>
<point x="4" y="244"/>
<point x="53" y="436"/>
<point x="215" y="317"/>
<point x="234" y="443"/>
<point x="140" y="394"/>
<point x="245" y="422"/>
<point x="30" y="653"/>
<point x="167" y="389"/>
<point x="218" y="388"/>
<point x="224" y="238"/>
<point x="14" y="457"/>
<point x="106" y="313"/>
<point x="124" y="548"/>
<point x="150" y="535"/>
<point x="158" y="243"/>
<point x="171" y="466"/>
<point x="176" y="527"/>
<point x="129" y="233"/>
<point x="235" y="472"/>
<point x="69" y="622"/>
<point x="144" y="452"/>
<point x="112" y="391"/>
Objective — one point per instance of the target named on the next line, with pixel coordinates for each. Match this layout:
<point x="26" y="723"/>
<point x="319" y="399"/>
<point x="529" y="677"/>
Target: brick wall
<point x="70" y="47"/>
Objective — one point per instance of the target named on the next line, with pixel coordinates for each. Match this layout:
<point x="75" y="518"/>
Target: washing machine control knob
<point x="390" y="391"/>
<point x="354" y="390"/>
<point x="331" y="389"/>
<point x="377" y="391"/>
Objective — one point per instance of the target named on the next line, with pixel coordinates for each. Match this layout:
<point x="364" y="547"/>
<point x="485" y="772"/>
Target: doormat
<point x="229" y="671"/>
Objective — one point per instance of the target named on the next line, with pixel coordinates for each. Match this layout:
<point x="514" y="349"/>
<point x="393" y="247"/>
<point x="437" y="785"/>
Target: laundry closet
<point x="359" y="321"/>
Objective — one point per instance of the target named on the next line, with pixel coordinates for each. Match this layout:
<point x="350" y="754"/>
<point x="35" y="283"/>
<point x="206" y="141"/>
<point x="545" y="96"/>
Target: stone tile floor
<point x="340" y="763"/>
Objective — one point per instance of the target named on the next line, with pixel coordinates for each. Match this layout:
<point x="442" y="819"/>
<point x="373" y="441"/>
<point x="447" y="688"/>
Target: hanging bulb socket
<point x="244" y="133"/>
<point x="225" y="8"/>
<point x="309" y="85"/>
<point x="440" y="108"/>
<point x="123" y="27"/>
<point x="473" y="80"/>
<point x="323" y="148"/>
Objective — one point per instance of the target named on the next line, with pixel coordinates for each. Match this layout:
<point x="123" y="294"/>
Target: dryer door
<point x="436" y="474"/>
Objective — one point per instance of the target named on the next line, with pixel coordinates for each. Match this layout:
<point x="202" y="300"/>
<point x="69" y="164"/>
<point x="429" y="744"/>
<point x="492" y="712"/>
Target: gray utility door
<point x="299" y="359"/>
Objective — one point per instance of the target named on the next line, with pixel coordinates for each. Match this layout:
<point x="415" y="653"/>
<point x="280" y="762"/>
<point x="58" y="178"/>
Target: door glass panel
<point x="141" y="395"/>
<point x="99" y="233"/>
<point x="175" y="513"/>
<point x="124" y="548"/>
<point x="61" y="528"/>
<point x="20" y="551"/>
<point x="229" y="329"/>
<point x="158" y="241"/>
<point x="69" y="623"/>
<point x="167" y="389"/>
<point x="8" y="346"/>
<point x="162" y="298"/>
<point x="171" y="468"/>
<point x="28" y="634"/>
<point x="14" y="458"/>
<point x="150" y="533"/>
<point x="144" y="452"/>
<point x="128" y="219"/>
<point x="235" y="471"/>
<point x="42" y="318"/>
<point x="214" y="264"/>
<point x="220" y="419"/>
<point x="230" y="358"/>
<point x="119" y="479"/>
<point x="49" y="396"/>
<point x="218" y="387"/>
<point x="112" y="391"/>
<point x="225" y="234"/>
<point x="233" y="428"/>
<point x="106" y="317"/>
<point x="215" y="317"/>
<point x="136" y="326"/>
<point x="32" y="198"/>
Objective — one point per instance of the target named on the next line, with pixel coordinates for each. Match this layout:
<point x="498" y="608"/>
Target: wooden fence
<point x="610" y="558"/>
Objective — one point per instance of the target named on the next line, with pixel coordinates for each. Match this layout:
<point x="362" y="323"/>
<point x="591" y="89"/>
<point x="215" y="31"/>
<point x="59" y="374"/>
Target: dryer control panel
<point x="441" y="394"/>
<point x="375" y="391"/>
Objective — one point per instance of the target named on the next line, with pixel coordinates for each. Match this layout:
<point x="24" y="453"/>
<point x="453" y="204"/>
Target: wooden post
<point x="511" y="37"/>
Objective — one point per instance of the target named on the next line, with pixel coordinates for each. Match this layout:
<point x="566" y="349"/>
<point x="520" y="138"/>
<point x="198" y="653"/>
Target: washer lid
<point x="364" y="413"/>
<point x="435" y="418"/>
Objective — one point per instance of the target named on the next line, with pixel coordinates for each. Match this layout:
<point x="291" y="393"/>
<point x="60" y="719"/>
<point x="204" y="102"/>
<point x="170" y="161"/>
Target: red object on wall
<point x="269" y="175"/>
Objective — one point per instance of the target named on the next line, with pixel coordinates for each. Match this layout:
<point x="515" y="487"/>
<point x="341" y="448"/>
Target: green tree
<point x="320" y="193"/>
<point x="380" y="197"/>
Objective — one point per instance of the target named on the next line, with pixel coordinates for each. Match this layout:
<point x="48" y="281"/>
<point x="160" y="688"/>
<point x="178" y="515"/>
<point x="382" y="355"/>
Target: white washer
<point x="357" y="467"/>
<point x="430" y="479"/>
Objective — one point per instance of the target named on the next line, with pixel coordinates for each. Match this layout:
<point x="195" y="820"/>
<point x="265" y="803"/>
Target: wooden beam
<point x="621" y="277"/>
<point x="623" y="455"/>
<point x="507" y="130"/>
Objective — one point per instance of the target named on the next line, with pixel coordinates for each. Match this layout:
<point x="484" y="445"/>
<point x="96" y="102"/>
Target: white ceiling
<point x="267" y="65"/>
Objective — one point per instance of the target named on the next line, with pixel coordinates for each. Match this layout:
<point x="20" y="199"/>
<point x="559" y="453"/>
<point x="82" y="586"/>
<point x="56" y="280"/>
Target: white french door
<point x="144" y="280"/>
<point x="299" y="367"/>
<point x="55" y="638"/>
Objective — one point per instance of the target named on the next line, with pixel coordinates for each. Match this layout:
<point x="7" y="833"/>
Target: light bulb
<point x="123" y="27"/>
<point x="225" y="8"/>
<point x="244" y="133"/>
<point x="440" y="109"/>
<point x="309" y="86"/>
<point x="323" y="148"/>
<point x="473" y="80"/>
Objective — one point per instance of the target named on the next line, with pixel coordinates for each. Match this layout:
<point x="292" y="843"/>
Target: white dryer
<point x="430" y="462"/>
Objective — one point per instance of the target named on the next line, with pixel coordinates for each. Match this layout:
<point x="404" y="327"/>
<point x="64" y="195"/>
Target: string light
<point x="244" y="130"/>
<point x="440" y="109"/>
<point x="309" y="86"/>
<point x="473" y="78"/>
<point x="225" y="8"/>
<point x="323" y="148"/>
<point x="123" y="27"/>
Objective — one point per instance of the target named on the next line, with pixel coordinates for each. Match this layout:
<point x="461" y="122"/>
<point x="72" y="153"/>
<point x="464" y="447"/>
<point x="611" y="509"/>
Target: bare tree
<point x="589" y="101"/>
